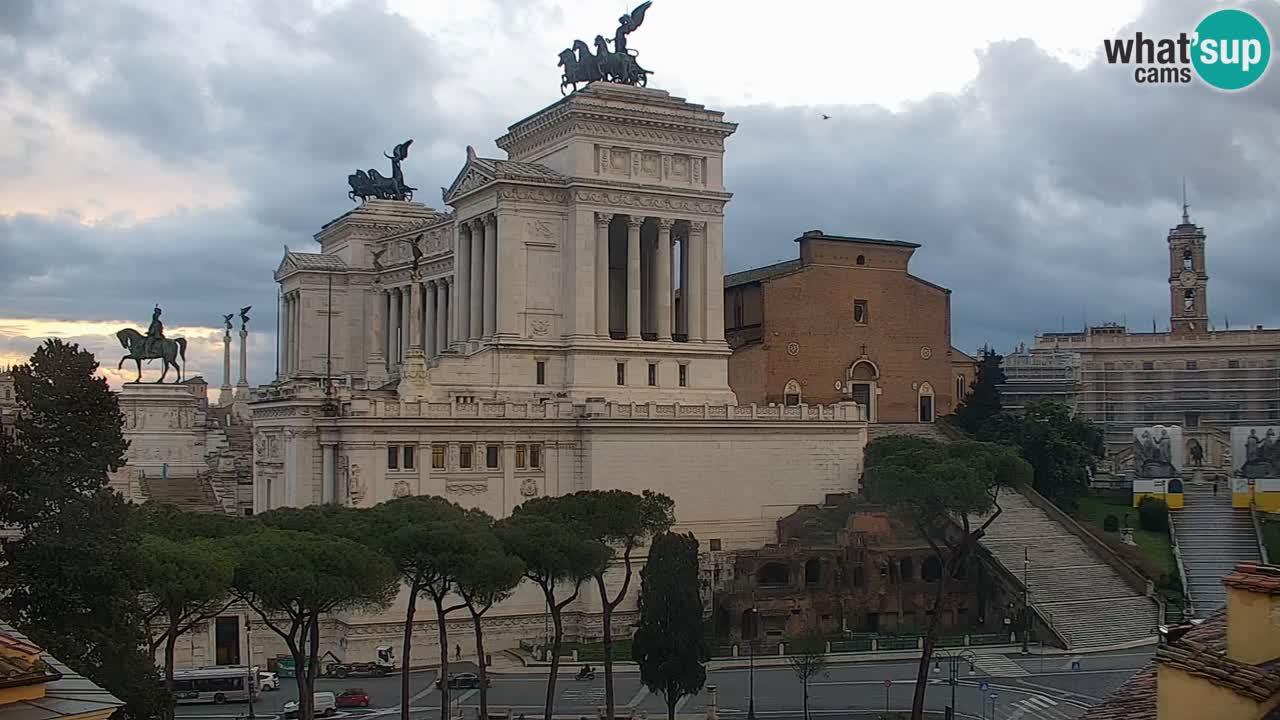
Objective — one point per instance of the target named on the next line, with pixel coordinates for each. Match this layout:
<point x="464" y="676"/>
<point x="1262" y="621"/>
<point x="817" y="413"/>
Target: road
<point x="1025" y="688"/>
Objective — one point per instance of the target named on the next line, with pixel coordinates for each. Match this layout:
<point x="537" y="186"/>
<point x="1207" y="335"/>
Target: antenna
<point x="1186" y="217"/>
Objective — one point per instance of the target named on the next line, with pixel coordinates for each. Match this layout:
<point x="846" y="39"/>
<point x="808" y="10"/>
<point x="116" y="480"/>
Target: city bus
<point x="216" y="684"/>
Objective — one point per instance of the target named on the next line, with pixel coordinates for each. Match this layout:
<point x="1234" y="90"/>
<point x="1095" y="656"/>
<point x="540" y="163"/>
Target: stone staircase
<point x="189" y="492"/>
<point x="1076" y="591"/>
<point x="1212" y="537"/>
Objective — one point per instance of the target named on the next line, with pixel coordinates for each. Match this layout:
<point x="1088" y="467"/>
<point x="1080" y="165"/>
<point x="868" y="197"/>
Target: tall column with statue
<point x="224" y="393"/>
<point x="242" y="387"/>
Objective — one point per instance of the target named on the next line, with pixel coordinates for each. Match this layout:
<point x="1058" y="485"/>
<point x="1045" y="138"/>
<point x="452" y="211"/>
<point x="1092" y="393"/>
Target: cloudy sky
<point x="165" y="152"/>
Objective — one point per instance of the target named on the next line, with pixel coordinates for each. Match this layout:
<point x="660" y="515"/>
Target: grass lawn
<point x="595" y="651"/>
<point x="1154" y="554"/>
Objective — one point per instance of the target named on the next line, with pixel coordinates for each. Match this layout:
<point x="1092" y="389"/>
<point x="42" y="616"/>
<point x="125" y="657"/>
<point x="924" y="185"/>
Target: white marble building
<point x="561" y="329"/>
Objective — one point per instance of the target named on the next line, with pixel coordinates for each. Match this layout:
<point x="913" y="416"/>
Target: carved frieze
<point x="532" y="194"/>
<point x="648" y="202"/>
<point x="466" y="487"/>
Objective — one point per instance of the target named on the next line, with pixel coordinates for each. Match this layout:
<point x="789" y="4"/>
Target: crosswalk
<point x="590" y="694"/>
<point x="1039" y="707"/>
<point x="1000" y="666"/>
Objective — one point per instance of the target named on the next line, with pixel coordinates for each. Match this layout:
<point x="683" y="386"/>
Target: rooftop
<point x="67" y="693"/>
<point x="761" y="273"/>
<point x="820" y="235"/>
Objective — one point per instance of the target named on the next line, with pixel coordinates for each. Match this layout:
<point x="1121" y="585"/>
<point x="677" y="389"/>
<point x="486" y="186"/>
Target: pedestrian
<point x="457" y="652"/>
<point x="1215" y="487"/>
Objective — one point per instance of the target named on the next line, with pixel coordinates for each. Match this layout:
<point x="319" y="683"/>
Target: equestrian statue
<point x="373" y="184"/>
<point x="153" y="346"/>
<point x="617" y="66"/>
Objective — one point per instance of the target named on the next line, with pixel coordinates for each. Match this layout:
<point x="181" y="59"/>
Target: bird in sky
<point x="826" y="116"/>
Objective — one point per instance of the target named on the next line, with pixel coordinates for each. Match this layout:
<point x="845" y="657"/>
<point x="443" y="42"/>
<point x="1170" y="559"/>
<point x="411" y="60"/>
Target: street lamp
<point x="953" y="660"/>
<point x="751" y="672"/>
<point x="253" y="681"/>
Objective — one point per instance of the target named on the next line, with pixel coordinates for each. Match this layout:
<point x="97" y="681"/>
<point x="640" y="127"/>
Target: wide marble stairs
<point x="1212" y="537"/>
<point x="1085" y="600"/>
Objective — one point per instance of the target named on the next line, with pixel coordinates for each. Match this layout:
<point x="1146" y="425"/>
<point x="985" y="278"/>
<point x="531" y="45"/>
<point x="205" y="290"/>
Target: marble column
<point x="697" y="239"/>
<point x="415" y="318"/>
<point x="476" y="300"/>
<point x="682" y="317"/>
<point x="429" y="320"/>
<point x="633" y="277"/>
<point x="224" y="397"/>
<point x="328" y="473"/>
<point x="442" y="321"/>
<point x="602" y="273"/>
<point x="662" y="284"/>
<point x="490" y="275"/>
<point x="396" y="306"/>
<point x="462" y="273"/>
<point x="377" y="361"/>
<point x="244" y="359"/>
<point x="295" y="338"/>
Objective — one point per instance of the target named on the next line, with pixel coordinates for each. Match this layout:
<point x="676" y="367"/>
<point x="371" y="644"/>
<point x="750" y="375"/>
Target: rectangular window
<point x="464" y="456"/>
<point x="535" y="456"/>
<point x="542" y="373"/>
<point x="622" y="373"/>
<point x="408" y="457"/>
<point x="653" y="374"/>
<point x="715" y="544"/>
<point x="684" y="376"/>
<point x="521" y="450"/>
<point x="1148" y="365"/>
<point x="1233" y="364"/>
<point x="437" y="457"/>
<point x="491" y="456"/>
<point x="1193" y="420"/>
<point x="860" y="312"/>
<point x="1191" y="364"/>
<point x="393" y="458"/>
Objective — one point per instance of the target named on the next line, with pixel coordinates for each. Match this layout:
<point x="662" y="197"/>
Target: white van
<point x="324" y="704"/>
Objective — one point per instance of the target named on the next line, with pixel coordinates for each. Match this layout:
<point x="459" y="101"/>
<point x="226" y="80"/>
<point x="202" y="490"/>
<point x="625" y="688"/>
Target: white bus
<point x="216" y="684"/>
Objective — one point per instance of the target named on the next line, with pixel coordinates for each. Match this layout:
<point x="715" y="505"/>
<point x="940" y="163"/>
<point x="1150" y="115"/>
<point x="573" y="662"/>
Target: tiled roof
<point x="1263" y="579"/>
<point x="316" y="261"/>
<point x="512" y="169"/>
<point x="1134" y="700"/>
<point x="1203" y="653"/>
<point x="69" y="695"/>
<point x="760" y="273"/>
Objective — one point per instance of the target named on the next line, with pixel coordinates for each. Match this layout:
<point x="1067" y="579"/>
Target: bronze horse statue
<point x="170" y="349"/>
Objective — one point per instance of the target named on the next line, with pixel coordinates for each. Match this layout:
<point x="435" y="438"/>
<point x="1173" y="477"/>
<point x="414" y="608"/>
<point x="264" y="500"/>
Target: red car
<point x="353" y="697"/>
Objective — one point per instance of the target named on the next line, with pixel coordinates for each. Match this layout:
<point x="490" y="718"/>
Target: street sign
<point x="984" y="684"/>
<point x="888" y="684"/>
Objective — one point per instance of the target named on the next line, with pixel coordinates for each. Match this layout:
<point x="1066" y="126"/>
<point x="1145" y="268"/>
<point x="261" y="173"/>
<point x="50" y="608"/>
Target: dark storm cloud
<point x="1041" y="193"/>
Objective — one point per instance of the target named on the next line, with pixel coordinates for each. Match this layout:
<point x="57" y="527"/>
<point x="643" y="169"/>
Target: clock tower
<point x="1188" y="281"/>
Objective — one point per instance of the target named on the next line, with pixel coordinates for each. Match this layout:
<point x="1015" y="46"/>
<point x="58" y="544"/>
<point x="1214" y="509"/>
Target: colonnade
<point x="674" y="259"/>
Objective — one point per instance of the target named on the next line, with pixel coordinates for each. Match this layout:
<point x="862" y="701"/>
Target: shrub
<point x="1153" y="514"/>
<point x="1111" y="524"/>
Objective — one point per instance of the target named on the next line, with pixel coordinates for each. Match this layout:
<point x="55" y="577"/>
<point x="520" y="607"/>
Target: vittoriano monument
<point x="153" y="346"/>
<point x="372" y="184"/>
<point x="619" y="66"/>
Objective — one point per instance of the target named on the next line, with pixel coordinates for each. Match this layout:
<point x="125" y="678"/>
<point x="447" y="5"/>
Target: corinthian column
<point x="490" y="275"/>
<point x="602" y="273"/>
<point x="697" y="239"/>
<point x="662" y="280"/>
<point x="633" y="277"/>
<point x="477" y="280"/>
<point x="224" y="397"/>
<point x="415" y="318"/>
<point x="430" y="347"/>
<point x="376" y="363"/>
<point x="462" y="273"/>
<point x="443" y="319"/>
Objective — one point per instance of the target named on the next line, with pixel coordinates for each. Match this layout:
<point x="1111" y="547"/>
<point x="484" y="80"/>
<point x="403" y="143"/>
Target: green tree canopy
<point x="72" y="580"/>
<point x="668" y="644"/>
<point x="948" y="492"/>
<point x="291" y="579"/>
<point x="983" y="401"/>
<point x="558" y="557"/>
<point x="1063" y="449"/>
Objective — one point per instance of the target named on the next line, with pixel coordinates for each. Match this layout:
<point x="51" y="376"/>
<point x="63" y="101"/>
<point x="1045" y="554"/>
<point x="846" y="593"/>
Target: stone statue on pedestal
<point x="373" y="184"/>
<point x="618" y="66"/>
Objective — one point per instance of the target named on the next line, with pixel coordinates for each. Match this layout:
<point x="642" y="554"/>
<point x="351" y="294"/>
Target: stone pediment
<point x="475" y="174"/>
<point x="479" y="172"/>
<point x="302" y="262"/>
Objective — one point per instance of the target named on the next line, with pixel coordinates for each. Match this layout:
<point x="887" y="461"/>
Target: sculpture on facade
<point x="153" y="346"/>
<point x="1152" y="457"/>
<point x="415" y="245"/>
<point x="376" y="255"/>
<point x="1261" y="455"/>
<point x="373" y="184"/>
<point x="244" y="318"/>
<point x="618" y="66"/>
<point x="226" y="320"/>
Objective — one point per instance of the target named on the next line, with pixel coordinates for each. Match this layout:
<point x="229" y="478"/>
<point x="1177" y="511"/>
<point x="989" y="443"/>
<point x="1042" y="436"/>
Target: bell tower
<point x="1188" y="280"/>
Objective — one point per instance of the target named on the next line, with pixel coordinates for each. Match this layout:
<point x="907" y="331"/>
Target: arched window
<point x="961" y="387"/>
<point x="1189" y="300"/>
<point x="772" y="574"/>
<point x="926" y="403"/>
<point x="931" y="570"/>
<point x="905" y="571"/>
<point x="1188" y="260"/>
<point x="859" y="577"/>
<point x="862" y="260"/>
<point x="812" y="572"/>
<point x="791" y="393"/>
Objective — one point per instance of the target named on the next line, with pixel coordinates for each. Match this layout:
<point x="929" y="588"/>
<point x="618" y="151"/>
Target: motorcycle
<point x="585" y="675"/>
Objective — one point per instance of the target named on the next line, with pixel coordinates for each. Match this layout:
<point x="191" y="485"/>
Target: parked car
<point x="323" y="704"/>
<point x="466" y="681"/>
<point x="268" y="681"/>
<point x="353" y="697"/>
